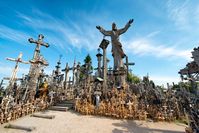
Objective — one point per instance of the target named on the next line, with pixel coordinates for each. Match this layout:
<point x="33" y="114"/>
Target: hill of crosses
<point x="113" y="92"/>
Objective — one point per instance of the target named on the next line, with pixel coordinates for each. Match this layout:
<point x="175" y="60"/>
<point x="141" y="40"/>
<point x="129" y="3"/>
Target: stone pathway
<point x="72" y="122"/>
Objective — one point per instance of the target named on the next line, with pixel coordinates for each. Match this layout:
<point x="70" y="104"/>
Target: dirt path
<point x="70" y="122"/>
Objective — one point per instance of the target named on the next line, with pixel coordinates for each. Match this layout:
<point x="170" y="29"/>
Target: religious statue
<point x="117" y="51"/>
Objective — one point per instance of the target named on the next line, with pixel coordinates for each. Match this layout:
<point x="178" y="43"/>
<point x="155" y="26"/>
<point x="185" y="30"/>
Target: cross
<point x="74" y="68"/>
<point x="128" y="64"/>
<point x="36" y="63"/>
<point x="14" y="72"/>
<point x="1" y="86"/>
<point x="66" y="70"/>
<point x="38" y="43"/>
<point x="57" y="71"/>
<point x="130" y="104"/>
<point x="69" y="82"/>
<point x="77" y="74"/>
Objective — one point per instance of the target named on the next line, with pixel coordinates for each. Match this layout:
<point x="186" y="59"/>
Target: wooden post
<point x="99" y="58"/>
<point x="104" y="45"/>
<point x="20" y="127"/>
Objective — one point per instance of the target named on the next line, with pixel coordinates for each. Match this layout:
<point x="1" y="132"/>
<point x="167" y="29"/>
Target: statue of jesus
<point x="117" y="51"/>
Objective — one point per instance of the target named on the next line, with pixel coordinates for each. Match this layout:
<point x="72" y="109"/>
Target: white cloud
<point x="13" y="34"/>
<point x="180" y="13"/>
<point x="152" y="34"/>
<point x="163" y="80"/>
<point x="6" y="71"/>
<point x="196" y="14"/>
<point x="69" y="32"/>
<point x="144" y="46"/>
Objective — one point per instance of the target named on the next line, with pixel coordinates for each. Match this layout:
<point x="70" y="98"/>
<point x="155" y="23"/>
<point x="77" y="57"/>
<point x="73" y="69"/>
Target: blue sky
<point x="159" y="41"/>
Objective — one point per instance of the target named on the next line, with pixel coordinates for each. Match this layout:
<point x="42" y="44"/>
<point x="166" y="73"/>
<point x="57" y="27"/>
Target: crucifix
<point x="117" y="51"/>
<point x="13" y="77"/>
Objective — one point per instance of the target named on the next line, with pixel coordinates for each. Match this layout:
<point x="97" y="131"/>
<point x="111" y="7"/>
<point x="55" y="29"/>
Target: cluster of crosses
<point x="106" y="92"/>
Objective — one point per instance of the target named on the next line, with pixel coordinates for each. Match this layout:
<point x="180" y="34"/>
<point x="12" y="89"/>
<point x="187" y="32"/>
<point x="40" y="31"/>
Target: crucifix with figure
<point x="117" y="51"/>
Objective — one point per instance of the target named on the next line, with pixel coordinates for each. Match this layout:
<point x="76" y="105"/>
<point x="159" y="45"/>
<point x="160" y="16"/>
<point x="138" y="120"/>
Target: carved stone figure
<point x="117" y="50"/>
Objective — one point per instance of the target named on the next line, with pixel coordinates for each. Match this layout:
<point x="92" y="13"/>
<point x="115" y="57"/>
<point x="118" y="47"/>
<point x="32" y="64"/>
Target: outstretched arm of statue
<point x="123" y="30"/>
<point x="104" y="32"/>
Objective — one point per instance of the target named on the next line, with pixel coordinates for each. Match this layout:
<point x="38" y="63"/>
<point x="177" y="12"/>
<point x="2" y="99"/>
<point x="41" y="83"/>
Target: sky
<point x="159" y="41"/>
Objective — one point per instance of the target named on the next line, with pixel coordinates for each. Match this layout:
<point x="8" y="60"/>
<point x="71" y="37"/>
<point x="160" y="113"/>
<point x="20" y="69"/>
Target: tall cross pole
<point x="77" y="73"/>
<point x="74" y="69"/>
<point x="1" y="87"/>
<point x="99" y="58"/>
<point x="103" y="45"/>
<point x="66" y="70"/>
<point x="35" y="65"/>
<point x="13" y="77"/>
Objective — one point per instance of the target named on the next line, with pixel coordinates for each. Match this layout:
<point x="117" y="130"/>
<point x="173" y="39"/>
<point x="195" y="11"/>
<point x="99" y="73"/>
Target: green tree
<point x="84" y="70"/>
<point x="133" y="78"/>
<point x="88" y="59"/>
<point x="152" y="83"/>
<point x="191" y="87"/>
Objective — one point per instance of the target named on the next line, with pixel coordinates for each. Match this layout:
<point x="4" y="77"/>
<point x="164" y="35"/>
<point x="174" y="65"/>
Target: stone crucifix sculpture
<point x="117" y="51"/>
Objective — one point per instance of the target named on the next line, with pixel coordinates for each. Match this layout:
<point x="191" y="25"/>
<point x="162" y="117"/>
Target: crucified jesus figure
<point x="117" y="51"/>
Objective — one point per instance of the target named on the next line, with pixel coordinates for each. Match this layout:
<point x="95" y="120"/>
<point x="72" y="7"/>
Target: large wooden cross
<point x="13" y="77"/>
<point x="38" y="43"/>
<point x="36" y="63"/>
<point x="66" y="70"/>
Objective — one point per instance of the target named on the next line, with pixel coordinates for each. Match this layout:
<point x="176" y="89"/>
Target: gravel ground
<point x="70" y="122"/>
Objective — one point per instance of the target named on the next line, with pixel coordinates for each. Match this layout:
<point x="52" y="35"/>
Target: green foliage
<point x="161" y="88"/>
<point x="175" y="86"/>
<point x="83" y="69"/>
<point x="133" y="78"/>
<point x="191" y="87"/>
<point x="146" y="79"/>
<point x="88" y="59"/>
<point x="152" y="83"/>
